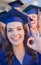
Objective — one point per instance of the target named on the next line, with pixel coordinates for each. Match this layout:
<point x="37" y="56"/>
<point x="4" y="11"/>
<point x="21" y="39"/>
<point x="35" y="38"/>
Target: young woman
<point x="16" y="51"/>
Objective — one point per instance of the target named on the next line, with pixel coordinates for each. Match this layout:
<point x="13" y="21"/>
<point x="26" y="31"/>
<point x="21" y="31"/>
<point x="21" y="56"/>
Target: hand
<point x="36" y="42"/>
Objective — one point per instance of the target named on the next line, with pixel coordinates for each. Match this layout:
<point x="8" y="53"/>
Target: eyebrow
<point x="9" y="28"/>
<point x="16" y="27"/>
<point x="19" y="26"/>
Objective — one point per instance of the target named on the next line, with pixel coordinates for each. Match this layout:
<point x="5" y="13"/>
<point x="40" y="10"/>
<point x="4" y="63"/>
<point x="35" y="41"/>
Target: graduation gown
<point x="27" y="60"/>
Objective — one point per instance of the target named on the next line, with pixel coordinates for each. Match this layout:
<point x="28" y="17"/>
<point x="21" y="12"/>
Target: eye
<point x="10" y="30"/>
<point x="33" y="16"/>
<point x="19" y="29"/>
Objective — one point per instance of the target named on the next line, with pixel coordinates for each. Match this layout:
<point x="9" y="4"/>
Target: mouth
<point x="15" y="39"/>
<point x="33" y="22"/>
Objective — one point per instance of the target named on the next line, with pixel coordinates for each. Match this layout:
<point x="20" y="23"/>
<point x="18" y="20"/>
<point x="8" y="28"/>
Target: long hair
<point x="9" y="50"/>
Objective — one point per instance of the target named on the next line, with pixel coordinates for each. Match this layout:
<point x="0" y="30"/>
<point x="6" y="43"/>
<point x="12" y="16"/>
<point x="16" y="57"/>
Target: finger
<point x="29" y="45"/>
<point x="33" y="46"/>
<point x="33" y="33"/>
<point x="29" y="39"/>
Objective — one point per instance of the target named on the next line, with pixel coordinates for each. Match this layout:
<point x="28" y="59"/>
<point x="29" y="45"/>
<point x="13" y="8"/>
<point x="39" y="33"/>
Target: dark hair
<point x="9" y="51"/>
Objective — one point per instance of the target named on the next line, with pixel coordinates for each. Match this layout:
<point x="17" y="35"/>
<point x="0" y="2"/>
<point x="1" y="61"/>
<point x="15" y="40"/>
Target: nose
<point x="14" y="32"/>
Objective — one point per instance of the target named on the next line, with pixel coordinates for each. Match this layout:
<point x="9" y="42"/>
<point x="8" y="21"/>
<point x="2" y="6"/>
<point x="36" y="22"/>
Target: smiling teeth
<point x="15" y="38"/>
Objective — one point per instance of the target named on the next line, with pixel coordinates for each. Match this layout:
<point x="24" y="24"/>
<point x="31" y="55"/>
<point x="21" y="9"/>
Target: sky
<point x="27" y="1"/>
<point x="30" y="1"/>
<point x="39" y="2"/>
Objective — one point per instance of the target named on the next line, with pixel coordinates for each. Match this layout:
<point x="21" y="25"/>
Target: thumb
<point x="30" y="42"/>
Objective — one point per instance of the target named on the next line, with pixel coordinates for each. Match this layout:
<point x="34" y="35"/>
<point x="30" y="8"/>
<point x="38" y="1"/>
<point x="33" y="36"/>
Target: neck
<point x="19" y="51"/>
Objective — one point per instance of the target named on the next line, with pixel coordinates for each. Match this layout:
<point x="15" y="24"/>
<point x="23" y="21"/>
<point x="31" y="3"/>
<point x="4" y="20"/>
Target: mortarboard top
<point x="15" y="13"/>
<point x="16" y="3"/>
<point x="32" y="9"/>
<point x="1" y="13"/>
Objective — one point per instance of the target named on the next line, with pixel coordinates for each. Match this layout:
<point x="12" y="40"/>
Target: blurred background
<point x="4" y="3"/>
<point x="5" y="7"/>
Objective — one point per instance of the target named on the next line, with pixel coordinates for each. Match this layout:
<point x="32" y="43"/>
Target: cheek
<point x="22" y="34"/>
<point x="36" y="21"/>
<point x="9" y="35"/>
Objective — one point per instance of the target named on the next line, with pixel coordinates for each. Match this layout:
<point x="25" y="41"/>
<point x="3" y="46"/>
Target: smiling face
<point x="33" y="24"/>
<point x="15" y="33"/>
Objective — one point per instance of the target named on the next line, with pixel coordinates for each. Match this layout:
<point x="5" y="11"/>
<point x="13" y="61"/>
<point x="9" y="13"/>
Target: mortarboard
<point x="2" y="13"/>
<point x="16" y="3"/>
<point x="32" y="9"/>
<point x="10" y="16"/>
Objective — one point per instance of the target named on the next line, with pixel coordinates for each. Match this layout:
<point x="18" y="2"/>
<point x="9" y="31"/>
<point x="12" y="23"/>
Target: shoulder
<point x="2" y="54"/>
<point x="39" y="58"/>
<point x="2" y="58"/>
<point x="30" y="57"/>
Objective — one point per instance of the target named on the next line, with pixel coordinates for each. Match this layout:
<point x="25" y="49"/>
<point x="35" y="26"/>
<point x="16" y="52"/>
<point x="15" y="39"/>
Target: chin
<point x="33" y="26"/>
<point x="15" y="43"/>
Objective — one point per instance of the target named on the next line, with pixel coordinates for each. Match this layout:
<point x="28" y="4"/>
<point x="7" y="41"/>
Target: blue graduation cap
<point x="32" y="9"/>
<point x="16" y="3"/>
<point x="15" y="15"/>
<point x="1" y="13"/>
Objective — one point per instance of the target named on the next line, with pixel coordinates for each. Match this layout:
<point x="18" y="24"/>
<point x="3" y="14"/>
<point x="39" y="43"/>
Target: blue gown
<point x="39" y="59"/>
<point x="27" y="60"/>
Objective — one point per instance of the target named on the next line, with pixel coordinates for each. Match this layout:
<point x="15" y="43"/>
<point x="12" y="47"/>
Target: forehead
<point x="32" y="15"/>
<point x="14" y="24"/>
